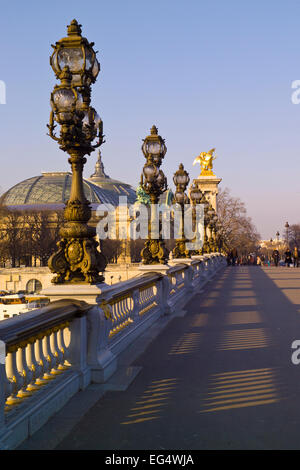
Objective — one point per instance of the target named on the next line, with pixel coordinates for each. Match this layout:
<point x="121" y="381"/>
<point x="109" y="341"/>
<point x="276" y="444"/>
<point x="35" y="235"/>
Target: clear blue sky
<point x="208" y="74"/>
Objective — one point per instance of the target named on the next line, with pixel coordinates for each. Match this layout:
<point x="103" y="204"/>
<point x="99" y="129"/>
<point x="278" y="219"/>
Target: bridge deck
<point x="220" y="377"/>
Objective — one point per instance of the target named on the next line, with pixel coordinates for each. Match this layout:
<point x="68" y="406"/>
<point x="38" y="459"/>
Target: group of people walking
<point x="234" y="259"/>
<point x="289" y="258"/>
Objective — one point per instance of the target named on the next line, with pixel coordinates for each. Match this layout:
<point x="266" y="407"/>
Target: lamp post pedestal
<point x="84" y="292"/>
<point x="154" y="268"/>
<point x="186" y="261"/>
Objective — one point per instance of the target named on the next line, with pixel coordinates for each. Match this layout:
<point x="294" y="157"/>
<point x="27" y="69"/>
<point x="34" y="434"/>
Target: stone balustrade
<point x="58" y="350"/>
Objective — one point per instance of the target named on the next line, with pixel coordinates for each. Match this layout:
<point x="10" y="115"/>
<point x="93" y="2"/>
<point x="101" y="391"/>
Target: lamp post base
<point x="77" y="260"/>
<point x="154" y="252"/>
<point x="180" y="250"/>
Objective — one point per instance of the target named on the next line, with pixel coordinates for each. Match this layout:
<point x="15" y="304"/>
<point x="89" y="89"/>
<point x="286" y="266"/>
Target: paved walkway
<point x="219" y="377"/>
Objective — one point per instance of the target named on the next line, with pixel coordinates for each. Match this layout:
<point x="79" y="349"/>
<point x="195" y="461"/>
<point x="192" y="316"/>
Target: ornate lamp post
<point x="219" y="238"/>
<point x="181" y="180"/>
<point x="215" y="231"/>
<point x="203" y="200"/>
<point x="211" y="220"/>
<point x="271" y="248"/>
<point x="277" y="240"/>
<point x="195" y="195"/>
<point x="75" y="65"/>
<point x="154" y="183"/>
<point x="287" y="226"/>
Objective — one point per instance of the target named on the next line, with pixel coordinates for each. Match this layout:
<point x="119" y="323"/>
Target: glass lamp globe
<point x="150" y="172"/>
<point x="78" y="54"/>
<point x="154" y="146"/>
<point x="180" y="197"/>
<point x="195" y="195"/>
<point x="63" y="102"/>
<point x="181" y="177"/>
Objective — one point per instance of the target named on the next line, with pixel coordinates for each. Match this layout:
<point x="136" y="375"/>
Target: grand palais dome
<point x="52" y="190"/>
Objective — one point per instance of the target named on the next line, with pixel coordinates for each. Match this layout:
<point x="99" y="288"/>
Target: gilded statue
<point x="205" y="160"/>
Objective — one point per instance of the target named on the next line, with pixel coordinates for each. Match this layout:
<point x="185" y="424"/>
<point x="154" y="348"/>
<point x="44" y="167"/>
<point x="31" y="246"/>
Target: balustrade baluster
<point x="57" y="352"/>
<point x="123" y="310"/>
<point x="135" y="305"/>
<point x="35" y="368"/>
<point x="42" y="359"/>
<point x="63" y="348"/>
<point x="13" y="376"/>
<point x="51" y="360"/>
<point x="24" y="371"/>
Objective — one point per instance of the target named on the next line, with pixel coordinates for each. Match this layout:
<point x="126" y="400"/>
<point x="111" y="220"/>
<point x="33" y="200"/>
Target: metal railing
<point x="55" y="351"/>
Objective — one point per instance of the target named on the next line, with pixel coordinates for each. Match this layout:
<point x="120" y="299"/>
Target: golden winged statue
<point x="205" y="159"/>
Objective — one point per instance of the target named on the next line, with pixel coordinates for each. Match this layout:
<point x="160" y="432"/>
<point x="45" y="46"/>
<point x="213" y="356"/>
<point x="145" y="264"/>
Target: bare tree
<point x="43" y="233"/>
<point x="12" y="235"/>
<point x="136" y="247"/>
<point x="294" y="235"/>
<point x="27" y="236"/>
<point x="236" y="228"/>
<point x="111" y="249"/>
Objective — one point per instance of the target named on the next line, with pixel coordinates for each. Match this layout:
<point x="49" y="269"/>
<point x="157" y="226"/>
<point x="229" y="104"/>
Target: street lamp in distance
<point x="287" y="226"/>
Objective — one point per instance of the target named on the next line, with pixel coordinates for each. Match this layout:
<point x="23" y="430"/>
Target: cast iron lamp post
<point x="287" y="226"/>
<point x="195" y="195"/>
<point x="75" y="65"/>
<point x="215" y="231"/>
<point x="181" y="180"/>
<point x="219" y="238"/>
<point x="277" y="240"/>
<point x="154" y="183"/>
<point x="205" y="247"/>
<point x="211" y="225"/>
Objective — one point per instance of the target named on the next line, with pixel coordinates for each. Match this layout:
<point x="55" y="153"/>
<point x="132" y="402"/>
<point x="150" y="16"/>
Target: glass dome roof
<point x="52" y="191"/>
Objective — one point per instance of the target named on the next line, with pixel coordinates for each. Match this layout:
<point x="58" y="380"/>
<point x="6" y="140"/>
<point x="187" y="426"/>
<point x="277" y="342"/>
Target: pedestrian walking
<point x="275" y="256"/>
<point x="234" y="256"/>
<point x="288" y="257"/>
<point x="296" y="257"/>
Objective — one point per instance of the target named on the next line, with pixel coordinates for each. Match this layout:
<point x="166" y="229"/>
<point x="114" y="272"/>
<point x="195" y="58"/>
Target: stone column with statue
<point x="207" y="182"/>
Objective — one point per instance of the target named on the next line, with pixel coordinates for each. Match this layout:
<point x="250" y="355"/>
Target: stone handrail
<point x="55" y="351"/>
<point x="13" y="332"/>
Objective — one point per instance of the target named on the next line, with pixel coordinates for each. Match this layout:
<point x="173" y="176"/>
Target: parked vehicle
<point x="15" y="304"/>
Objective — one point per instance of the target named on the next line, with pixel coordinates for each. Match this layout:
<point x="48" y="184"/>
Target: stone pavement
<point x="218" y="376"/>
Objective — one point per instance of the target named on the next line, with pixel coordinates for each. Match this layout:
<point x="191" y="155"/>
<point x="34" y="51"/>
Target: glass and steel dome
<point x="52" y="190"/>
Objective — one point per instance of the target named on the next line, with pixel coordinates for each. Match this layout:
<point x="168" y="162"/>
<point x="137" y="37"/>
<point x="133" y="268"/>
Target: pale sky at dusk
<point x="207" y="74"/>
